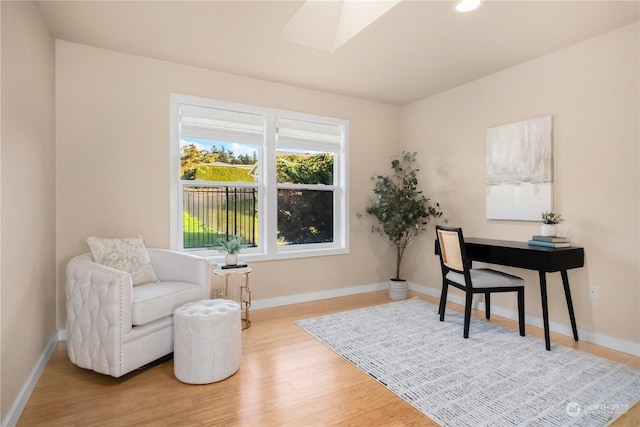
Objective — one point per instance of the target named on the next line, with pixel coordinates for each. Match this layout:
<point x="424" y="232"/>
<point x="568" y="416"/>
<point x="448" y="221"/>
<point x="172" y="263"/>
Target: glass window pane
<point x="218" y="161"/>
<point x="305" y="216"/>
<point x="304" y="167"/>
<point x="213" y="212"/>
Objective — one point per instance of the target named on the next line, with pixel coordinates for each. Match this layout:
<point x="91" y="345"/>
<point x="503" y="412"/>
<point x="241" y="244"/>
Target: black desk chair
<point x="457" y="272"/>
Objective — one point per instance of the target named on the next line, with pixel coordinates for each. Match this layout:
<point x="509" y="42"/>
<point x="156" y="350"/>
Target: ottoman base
<point x="207" y="341"/>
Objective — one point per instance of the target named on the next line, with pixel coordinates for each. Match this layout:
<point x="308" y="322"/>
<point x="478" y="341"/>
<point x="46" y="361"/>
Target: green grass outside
<point x="200" y="235"/>
<point x="197" y="234"/>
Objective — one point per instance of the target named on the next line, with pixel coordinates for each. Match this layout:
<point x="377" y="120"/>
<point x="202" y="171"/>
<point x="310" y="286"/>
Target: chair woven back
<point x="450" y="247"/>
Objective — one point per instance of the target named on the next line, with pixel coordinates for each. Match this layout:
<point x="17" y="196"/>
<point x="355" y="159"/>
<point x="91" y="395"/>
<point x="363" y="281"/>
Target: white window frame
<point x="266" y="185"/>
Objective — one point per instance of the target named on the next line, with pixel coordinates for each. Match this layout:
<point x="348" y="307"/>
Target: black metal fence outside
<point x="214" y="212"/>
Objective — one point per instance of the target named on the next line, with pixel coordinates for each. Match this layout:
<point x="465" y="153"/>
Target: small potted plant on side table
<point x="550" y="221"/>
<point x="231" y="248"/>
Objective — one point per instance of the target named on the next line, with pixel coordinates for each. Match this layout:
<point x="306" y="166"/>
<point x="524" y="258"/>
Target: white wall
<point x="113" y="159"/>
<point x="592" y="91"/>
<point x="27" y="278"/>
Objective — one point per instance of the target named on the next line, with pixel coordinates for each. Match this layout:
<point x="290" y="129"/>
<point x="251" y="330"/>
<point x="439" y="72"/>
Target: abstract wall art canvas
<point x="519" y="182"/>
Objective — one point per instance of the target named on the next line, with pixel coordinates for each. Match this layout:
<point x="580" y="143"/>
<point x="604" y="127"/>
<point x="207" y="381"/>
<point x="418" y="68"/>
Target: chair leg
<point x="487" y="305"/>
<point x="467" y="313"/>
<point x="521" y="311"/>
<point x="443" y="300"/>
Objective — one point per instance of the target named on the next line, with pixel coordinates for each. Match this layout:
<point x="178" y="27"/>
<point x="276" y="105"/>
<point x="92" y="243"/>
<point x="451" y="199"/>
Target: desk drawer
<point x="512" y="257"/>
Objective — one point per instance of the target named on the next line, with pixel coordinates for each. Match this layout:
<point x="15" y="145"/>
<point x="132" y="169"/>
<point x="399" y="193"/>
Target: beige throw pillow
<point x="127" y="254"/>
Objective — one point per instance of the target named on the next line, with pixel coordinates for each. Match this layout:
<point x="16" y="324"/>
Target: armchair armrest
<point x="98" y="313"/>
<point x="179" y="266"/>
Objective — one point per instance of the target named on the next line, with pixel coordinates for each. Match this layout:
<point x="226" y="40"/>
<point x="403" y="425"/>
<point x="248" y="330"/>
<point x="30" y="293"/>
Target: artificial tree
<point x="401" y="209"/>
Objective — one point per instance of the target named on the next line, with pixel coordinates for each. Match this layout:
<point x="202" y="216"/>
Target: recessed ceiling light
<point x="464" y="6"/>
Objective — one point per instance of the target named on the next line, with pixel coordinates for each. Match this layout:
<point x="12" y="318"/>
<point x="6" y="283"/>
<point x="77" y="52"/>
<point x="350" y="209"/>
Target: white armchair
<point x="114" y="327"/>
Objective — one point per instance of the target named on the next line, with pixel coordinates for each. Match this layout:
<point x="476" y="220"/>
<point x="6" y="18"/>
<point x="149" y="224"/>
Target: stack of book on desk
<point x="550" y="241"/>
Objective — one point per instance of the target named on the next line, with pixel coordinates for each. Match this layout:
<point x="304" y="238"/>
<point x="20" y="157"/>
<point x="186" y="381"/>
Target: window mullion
<point x="269" y="186"/>
<point x="341" y="170"/>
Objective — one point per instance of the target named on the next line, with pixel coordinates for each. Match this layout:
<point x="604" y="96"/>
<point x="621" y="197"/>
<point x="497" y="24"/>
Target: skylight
<point x="327" y="25"/>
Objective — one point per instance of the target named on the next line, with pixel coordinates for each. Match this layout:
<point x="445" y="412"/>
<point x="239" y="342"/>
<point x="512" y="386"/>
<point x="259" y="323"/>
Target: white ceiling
<point x="415" y="50"/>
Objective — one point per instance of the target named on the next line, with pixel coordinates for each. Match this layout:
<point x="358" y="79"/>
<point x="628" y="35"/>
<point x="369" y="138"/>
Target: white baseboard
<point x="614" y="343"/>
<point x="13" y="415"/>
<point x="315" y="296"/>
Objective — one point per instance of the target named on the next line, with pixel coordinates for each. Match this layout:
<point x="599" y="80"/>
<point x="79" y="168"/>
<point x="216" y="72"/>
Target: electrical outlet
<point x="593" y="291"/>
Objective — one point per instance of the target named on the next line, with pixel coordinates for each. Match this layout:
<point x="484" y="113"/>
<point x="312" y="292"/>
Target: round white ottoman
<point x="207" y="341"/>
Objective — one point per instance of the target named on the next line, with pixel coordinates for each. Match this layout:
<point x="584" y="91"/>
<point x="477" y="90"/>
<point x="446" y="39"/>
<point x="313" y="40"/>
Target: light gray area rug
<point x="493" y="378"/>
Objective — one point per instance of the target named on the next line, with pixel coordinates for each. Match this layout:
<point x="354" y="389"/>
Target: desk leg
<point x="567" y="294"/>
<point x="545" y="309"/>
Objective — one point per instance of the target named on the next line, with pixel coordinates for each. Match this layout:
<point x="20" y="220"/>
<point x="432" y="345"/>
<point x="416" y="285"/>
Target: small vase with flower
<point x="550" y="222"/>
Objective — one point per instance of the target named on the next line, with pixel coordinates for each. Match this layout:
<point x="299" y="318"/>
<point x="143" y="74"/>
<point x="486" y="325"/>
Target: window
<point x="276" y="178"/>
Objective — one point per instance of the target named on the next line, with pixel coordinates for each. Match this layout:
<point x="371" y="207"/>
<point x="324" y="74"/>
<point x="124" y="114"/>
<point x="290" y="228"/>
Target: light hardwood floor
<point x="286" y="378"/>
